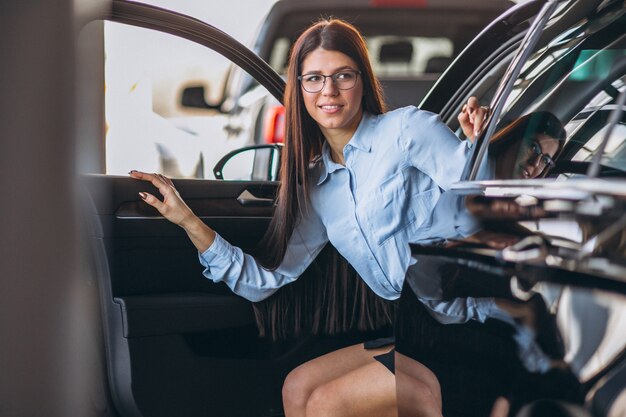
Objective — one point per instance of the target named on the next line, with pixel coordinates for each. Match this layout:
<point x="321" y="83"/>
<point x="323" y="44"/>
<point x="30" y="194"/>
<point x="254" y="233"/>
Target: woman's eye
<point x="312" y="78"/>
<point x="535" y="148"/>
<point x="344" y="76"/>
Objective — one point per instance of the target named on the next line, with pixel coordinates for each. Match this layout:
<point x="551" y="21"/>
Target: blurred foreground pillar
<point x="41" y="348"/>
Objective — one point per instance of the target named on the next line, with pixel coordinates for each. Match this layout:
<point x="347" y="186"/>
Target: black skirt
<point x="387" y="359"/>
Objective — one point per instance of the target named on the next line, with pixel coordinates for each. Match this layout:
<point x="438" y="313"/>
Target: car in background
<point x="410" y="43"/>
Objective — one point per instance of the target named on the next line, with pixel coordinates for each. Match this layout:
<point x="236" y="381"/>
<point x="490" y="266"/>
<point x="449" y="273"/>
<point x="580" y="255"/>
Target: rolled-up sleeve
<point x="226" y="263"/>
<point x="433" y="148"/>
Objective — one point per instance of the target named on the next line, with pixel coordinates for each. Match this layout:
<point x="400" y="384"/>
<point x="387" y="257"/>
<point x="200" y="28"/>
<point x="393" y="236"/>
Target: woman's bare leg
<point x="368" y="391"/>
<point x="417" y="389"/>
<point x="302" y="381"/>
<point x="501" y="407"/>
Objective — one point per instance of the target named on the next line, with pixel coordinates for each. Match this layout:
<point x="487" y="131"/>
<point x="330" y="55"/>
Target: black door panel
<point x="178" y="344"/>
<point x="154" y="315"/>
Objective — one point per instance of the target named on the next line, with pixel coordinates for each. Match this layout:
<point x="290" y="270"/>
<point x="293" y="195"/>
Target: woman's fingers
<point x="172" y="207"/>
<point x="479" y="116"/>
<point x="155" y="179"/>
<point x="471" y="117"/>
<point x="153" y="201"/>
<point x="165" y="180"/>
<point x="161" y="182"/>
<point x="472" y="104"/>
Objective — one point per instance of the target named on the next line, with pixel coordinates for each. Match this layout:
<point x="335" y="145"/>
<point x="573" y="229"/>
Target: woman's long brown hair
<point x="329" y="297"/>
<point x="303" y="137"/>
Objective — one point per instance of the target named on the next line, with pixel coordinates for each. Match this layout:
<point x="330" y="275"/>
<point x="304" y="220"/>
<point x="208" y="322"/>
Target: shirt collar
<point x="360" y="140"/>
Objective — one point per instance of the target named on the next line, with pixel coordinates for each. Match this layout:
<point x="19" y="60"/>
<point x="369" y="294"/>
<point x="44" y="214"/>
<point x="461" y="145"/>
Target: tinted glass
<point x="559" y="107"/>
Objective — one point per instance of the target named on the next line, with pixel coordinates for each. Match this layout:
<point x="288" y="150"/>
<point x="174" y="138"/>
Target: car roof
<point x="424" y="4"/>
<point x="372" y="17"/>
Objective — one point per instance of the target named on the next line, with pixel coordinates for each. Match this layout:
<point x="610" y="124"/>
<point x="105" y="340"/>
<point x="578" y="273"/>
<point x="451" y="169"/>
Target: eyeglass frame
<point x="333" y="78"/>
<point x="536" y="151"/>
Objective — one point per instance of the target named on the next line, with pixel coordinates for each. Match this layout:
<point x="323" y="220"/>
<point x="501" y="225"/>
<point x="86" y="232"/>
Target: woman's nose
<point x="536" y="161"/>
<point x="330" y="89"/>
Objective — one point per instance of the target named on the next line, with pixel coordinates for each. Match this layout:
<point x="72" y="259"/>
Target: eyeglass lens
<point x="344" y="80"/>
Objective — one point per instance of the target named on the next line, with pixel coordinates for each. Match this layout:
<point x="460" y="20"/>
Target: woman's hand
<point x="174" y="209"/>
<point x="471" y="118"/>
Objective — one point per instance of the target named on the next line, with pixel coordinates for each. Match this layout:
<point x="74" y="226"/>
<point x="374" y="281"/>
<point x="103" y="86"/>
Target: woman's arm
<point x="229" y="264"/>
<point x="433" y="148"/>
<point x="174" y="209"/>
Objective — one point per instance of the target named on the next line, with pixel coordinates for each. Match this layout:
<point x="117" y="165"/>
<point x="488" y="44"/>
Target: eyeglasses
<point x="544" y="160"/>
<point x="344" y="80"/>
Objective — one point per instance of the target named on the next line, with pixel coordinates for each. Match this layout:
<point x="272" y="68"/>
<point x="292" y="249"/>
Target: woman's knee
<point x="297" y="387"/>
<point x="416" y="397"/>
<point x="324" y="400"/>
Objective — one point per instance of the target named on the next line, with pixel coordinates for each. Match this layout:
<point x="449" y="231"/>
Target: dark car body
<point x="570" y="222"/>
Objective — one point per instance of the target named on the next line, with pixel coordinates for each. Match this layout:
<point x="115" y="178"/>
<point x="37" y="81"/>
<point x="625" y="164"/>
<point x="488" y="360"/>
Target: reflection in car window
<point x="577" y="77"/>
<point x="527" y="147"/>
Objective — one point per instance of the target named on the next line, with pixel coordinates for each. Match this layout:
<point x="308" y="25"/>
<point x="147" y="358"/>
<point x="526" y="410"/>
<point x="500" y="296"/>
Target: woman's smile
<point x="330" y="108"/>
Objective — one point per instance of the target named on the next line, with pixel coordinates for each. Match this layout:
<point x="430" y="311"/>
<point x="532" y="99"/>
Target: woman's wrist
<point x="200" y="234"/>
<point x="192" y="224"/>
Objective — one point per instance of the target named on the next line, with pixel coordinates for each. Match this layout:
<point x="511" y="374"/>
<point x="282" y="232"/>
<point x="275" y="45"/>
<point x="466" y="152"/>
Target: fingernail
<point x="131" y="171"/>
<point x="143" y="195"/>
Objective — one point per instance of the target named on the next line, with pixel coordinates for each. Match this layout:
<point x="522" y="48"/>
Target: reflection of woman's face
<point x="535" y="156"/>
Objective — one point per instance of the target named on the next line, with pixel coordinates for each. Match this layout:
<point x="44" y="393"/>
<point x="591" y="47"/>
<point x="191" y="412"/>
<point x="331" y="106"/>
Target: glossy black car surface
<point x="568" y="219"/>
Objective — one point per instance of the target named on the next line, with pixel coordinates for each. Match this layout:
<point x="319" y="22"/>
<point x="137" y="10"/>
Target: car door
<point x="174" y="342"/>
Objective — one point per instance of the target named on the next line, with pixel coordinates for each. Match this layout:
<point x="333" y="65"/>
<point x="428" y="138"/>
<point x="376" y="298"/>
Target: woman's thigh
<point x="368" y="390"/>
<point x="335" y="364"/>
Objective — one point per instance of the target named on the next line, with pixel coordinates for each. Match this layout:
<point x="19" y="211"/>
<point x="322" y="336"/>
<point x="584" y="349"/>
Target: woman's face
<point x="536" y="156"/>
<point x="336" y="111"/>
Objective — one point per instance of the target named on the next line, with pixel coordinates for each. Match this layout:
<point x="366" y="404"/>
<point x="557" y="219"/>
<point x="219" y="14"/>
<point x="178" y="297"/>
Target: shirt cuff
<point x="486" y="308"/>
<point x="220" y="250"/>
<point x="489" y="309"/>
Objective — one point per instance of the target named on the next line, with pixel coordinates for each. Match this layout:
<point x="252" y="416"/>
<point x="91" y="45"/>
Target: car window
<point x="565" y="93"/>
<point x="147" y="126"/>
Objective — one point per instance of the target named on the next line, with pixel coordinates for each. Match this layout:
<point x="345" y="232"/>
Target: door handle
<point x="246" y="198"/>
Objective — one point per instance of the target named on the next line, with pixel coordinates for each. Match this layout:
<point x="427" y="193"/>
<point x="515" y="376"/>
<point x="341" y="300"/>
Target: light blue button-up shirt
<point x="397" y="165"/>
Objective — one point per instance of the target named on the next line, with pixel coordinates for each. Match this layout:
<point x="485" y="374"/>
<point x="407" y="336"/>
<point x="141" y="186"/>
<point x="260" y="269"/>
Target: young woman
<point x="365" y="180"/>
